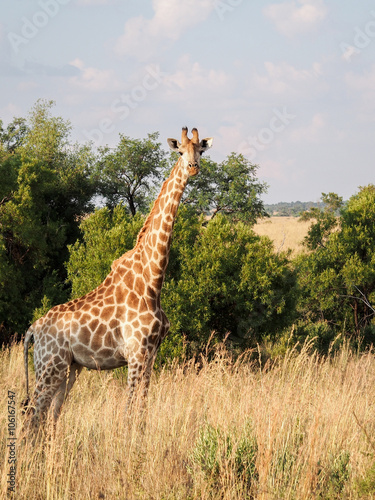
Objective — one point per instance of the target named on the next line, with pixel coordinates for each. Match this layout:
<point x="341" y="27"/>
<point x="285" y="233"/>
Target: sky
<point x="288" y="84"/>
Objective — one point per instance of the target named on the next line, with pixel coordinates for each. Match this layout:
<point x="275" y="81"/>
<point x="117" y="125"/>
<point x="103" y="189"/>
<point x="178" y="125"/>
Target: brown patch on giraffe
<point x="146" y="318"/>
<point x="55" y="348"/>
<point x="150" y="292"/>
<point x="60" y="366"/>
<point x="132" y="315"/>
<point x="94" y="324"/>
<point x="74" y="327"/>
<point x="114" y="323"/>
<point x="109" y="341"/>
<point x="157" y="222"/>
<point x="107" y="313"/>
<point x="105" y="352"/>
<point x="96" y="342"/>
<point x="158" y="282"/>
<point x="110" y="291"/>
<point x="129" y="278"/>
<point x="133" y="300"/>
<point x="163" y="237"/>
<point x="147" y="254"/>
<point x="161" y="248"/>
<point x="60" y="337"/>
<point x="84" y="335"/>
<point x="152" y="339"/>
<point x="155" y="269"/>
<point x="137" y="267"/>
<point x="143" y="305"/>
<point x="95" y="311"/>
<point x="138" y="335"/>
<point x="77" y="315"/>
<point x="107" y="282"/>
<point x="166" y="227"/>
<point x="85" y="318"/>
<point x="101" y="330"/>
<point x="139" y="286"/>
<point x="155" y="328"/>
<point x="117" y="278"/>
<point x="120" y="313"/>
<point x="82" y="351"/>
<point x="60" y="324"/>
<point x="120" y="294"/>
<point x="109" y="301"/>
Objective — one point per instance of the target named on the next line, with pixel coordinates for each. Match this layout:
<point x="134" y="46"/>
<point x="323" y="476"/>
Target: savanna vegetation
<point x="264" y="386"/>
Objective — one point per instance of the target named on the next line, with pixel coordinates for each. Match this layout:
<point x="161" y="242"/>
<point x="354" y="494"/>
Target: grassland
<point x="285" y="232"/>
<point x="300" y="428"/>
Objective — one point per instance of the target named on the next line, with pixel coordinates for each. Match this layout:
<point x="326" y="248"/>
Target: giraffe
<point x="120" y="322"/>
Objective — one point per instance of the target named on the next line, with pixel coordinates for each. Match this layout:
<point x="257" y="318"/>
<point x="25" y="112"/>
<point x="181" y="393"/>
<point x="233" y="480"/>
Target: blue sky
<point x="290" y="84"/>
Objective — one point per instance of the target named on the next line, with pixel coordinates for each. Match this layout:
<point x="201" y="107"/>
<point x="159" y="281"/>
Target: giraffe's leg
<point x="63" y="390"/>
<point x="50" y="376"/>
<point x="139" y="375"/>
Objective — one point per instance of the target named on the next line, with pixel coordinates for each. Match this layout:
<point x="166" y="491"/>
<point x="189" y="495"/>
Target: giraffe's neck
<point x="154" y="239"/>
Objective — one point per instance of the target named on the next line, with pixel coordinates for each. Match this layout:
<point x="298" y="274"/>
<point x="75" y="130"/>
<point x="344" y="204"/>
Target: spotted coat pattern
<point x="121" y="321"/>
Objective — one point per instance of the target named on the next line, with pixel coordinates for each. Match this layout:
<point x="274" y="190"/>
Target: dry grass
<point x="303" y="428"/>
<point x="285" y="232"/>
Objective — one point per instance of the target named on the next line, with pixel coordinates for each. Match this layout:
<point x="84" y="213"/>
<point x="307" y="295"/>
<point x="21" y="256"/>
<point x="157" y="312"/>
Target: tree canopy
<point x="129" y="172"/>
<point x="337" y="279"/>
<point x="46" y="186"/>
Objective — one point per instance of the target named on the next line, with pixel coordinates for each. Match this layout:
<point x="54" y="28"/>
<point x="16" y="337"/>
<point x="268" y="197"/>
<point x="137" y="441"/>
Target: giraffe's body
<point x="121" y="321"/>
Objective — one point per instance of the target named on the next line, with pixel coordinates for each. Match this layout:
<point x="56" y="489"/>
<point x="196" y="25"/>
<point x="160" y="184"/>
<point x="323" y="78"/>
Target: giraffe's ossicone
<point x="121" y="321"/>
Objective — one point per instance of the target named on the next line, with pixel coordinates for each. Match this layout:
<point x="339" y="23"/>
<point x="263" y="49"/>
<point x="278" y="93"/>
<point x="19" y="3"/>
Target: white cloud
<point x="191" y="76"/>
<point x="297" y="16"/>
<point x="362" y="90"/>
<point x="142" y="37"/>
<point x="94" y="79"/>
<point x="313" y="132"/>
<point x="362" y="83"/>
<point x="283" y="78"/>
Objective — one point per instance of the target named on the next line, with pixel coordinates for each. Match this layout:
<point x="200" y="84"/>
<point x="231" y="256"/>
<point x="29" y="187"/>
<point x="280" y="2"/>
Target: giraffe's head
<point x="190" y="149"/>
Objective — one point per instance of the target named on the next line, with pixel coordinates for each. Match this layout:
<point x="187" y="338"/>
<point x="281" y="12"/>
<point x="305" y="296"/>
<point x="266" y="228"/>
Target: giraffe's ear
<point x="206" y="144"/>
<point x="173" y="144"/>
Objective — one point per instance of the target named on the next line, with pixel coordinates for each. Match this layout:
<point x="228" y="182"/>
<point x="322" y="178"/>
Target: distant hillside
<point x="290" y="209"/>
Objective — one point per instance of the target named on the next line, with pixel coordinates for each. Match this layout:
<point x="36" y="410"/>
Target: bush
<point x="232" y="282"/>
<point x="220" y="456"/>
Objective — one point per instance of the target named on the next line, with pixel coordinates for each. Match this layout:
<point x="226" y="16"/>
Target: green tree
<point x="325" y="220"/>
<point x="129" y="172"/>
<point x="47" y="187"/>
<point x="230" y="188"/>
<point x="232" y="282"/>
<point x="13" y="136"/>
<point x="337" y="279"/>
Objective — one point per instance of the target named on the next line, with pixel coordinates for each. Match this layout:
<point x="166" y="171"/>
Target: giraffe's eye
<point x="180" y="153"/>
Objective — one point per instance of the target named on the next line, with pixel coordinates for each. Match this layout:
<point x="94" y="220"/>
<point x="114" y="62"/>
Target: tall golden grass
<point x="302" y="427"/>
<point x="285" y="232"/>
